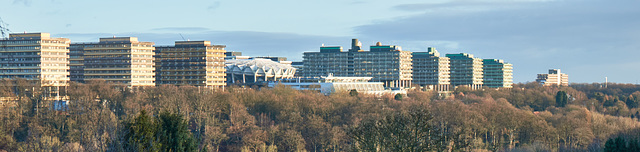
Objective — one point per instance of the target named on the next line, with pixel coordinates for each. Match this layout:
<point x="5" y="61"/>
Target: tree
<point x="353" y="92"/>
<point x="167" y="132"/>
<point x="141" y="134"/>
<point x="3" y="28"/>
<point x="398" y="96"/>
<point x="401" y="131"/>
<point x="173" y="133"/>
<point x="561" y="99"/>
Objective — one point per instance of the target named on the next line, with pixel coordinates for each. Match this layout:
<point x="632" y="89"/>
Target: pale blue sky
<point x="588" y="39"/>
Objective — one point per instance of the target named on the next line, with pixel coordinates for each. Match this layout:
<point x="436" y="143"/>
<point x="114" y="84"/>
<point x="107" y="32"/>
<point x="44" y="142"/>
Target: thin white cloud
<point x="457" y="6"/>
<point x="23" y="2"/>
<point x="250" y="43"/>
<point x="181" y="29"/>
<point x="568" y="34"/>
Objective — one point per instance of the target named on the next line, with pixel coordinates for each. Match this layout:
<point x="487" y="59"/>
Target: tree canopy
<point x="528" y="117"/>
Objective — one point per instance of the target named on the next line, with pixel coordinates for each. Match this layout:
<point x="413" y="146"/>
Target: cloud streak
<point x="180" y="29"/>
<point x="23" y="2"/>
<point x="562" y="34"/>
<point x="250" y="43"/>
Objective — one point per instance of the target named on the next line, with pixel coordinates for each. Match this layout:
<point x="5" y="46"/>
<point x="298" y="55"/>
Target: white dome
<point x="259" y="68"/>
<point x="266" y="64"/>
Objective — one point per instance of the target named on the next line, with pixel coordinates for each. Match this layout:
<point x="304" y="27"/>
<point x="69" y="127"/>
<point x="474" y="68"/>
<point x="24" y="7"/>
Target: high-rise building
<point x="430" y="69"/>
<point x="385" y="63"/>
<point x="330" y="59"/>
<point x="554" y="78"/>
<point x="196" y="63"/>
<point x="497" y="73"/>
<point x="76" y="63"/>
<point x="299" y="65"/>
<point x="122" y="60"/>
<point x="465" y="70"/>
<point x="36" y="57"/>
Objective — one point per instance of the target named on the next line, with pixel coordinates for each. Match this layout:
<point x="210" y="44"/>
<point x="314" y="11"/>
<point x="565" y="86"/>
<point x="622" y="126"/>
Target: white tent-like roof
<point x="259" y="67"/>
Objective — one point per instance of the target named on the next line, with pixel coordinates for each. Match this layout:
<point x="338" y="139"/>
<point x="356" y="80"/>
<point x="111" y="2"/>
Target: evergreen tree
<point x="633" y="145"/>
<point x="610" y="146"/>
<point x="561" y="99"/>
<point x="398" y="96"/>
<point x="167" y="132"/>
<point x="353" y="92"/>
<point x="141" y="134"/>
<point x="174" y="134"/>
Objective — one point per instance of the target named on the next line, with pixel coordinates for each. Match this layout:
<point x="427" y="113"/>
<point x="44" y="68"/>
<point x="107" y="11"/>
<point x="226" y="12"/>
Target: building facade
<point x="122" y="60"/>
<point x="429" y="69"/>
<point x="257" y="71"/>
<point x="299" y="65"/>
<point x="384" y="63"/>
<point x="330" y="84"/>
<point x="76" y="63"/>
<point x="196" y="63"/>
<point x="553" y="78"/>
<point x="35" y="57"/>
<point x="497" y="73"/>
<point x="466" y="70"/>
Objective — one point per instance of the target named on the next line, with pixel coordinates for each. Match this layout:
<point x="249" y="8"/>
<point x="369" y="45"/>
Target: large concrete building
<point x="466" y="70"/>
<point x="299" y="65"/>
<point x="196" y="63"/>
<point x="36" y="57"/>
<point x="430" y="70"/>
<point x="554" y="78"/>
<point x="384" y="63"/>
<point x="497" y="73"/>
<point x="122" y="60"/>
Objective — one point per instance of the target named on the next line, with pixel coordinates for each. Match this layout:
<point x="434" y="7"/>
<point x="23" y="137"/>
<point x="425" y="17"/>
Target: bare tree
<point x="3" y="28"/>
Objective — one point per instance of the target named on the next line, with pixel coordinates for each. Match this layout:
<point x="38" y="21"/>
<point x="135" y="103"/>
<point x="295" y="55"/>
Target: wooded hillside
<point x="105" y="117"/>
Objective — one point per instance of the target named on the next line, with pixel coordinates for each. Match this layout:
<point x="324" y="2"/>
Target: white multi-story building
<point x="554" y="78"/>
<point x="35" y="56"/>
<point x="430" y="70"/>
<point x="196" y="63"/>
<point x="122" y="60"/>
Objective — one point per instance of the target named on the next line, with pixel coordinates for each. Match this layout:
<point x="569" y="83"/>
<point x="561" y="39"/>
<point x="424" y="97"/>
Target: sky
<point x="588" y="39"/>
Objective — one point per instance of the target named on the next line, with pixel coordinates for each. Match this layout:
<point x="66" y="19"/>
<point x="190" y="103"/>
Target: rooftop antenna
<point x="182" y="36"/>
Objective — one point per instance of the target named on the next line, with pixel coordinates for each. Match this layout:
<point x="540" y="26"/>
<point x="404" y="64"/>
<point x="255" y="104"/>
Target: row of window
<point x="107" y="61"/>
<point x="19" y="71"/>
<point x="105" y="66"/>
<point x="143" y="76"/>
<point x="19" y="59"/>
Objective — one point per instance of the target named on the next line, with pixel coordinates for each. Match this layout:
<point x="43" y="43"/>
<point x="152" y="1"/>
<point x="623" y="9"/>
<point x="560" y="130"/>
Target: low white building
<point x="255" y="71"/>
<point x="331" y="84"/>
<point x="554" y="78"/>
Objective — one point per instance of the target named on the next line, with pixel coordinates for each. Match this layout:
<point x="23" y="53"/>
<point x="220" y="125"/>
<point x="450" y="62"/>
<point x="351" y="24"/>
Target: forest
<point x="528" y="117"/>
